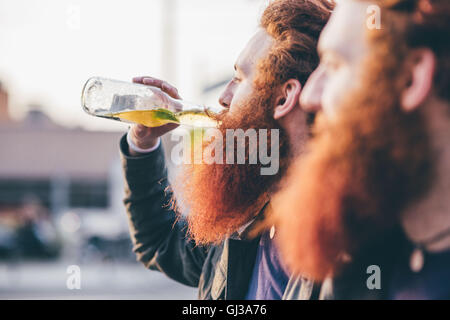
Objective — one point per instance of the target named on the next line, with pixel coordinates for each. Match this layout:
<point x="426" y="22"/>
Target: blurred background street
<point x="40" y="280"/>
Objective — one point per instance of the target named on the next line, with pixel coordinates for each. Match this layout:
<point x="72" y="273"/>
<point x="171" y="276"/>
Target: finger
<point x="161" y="130"/>
<point x="170" y="90"/>
<point x="140" y="130"/>
<point x="138" y="79"/>
<point x="152" y="82"/>
<point x="163" y="85"/>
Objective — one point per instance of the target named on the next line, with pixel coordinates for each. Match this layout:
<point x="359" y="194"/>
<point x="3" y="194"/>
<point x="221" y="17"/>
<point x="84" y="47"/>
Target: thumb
<point x="159" y="131"/>
<point x="140" y="130"/>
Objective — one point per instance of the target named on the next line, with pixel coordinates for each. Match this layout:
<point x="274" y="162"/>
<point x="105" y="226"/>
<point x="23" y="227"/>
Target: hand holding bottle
<point x="145" y="137"/>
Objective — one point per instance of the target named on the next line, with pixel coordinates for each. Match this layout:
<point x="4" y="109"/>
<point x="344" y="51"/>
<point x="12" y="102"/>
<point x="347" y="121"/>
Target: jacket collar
<point x="243" y="232"/>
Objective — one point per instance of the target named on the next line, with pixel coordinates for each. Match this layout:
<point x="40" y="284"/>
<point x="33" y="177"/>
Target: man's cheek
<point x="330" y="102"/>
<point x="243" y="92"/>
<point x="232" y="109"/>
<point x="236" y="104"/>
<point x="336" y="90"/>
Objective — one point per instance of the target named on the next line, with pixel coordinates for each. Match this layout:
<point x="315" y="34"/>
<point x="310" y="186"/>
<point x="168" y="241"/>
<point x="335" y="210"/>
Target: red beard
<point x="221" y="198"/>
<point x="360" y="171"/>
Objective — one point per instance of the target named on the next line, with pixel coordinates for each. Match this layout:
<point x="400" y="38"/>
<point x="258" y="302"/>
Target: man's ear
<point x="288" y="98"/>
<point x="422" y="75"/>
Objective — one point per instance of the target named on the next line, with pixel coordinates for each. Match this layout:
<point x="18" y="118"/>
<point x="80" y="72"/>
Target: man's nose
<point x="225" y="98"/>
<point x="311" y="96"/>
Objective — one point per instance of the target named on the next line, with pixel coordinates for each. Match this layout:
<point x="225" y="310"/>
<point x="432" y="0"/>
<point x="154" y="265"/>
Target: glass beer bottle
<point x="138" y="103"/>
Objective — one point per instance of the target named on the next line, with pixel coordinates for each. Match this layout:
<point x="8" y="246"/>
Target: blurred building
<point x="57" y="166"/>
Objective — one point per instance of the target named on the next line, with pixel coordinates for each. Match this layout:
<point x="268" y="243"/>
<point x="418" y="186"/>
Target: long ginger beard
<point x="360" y="170"/>
<point x="221" y="198"/>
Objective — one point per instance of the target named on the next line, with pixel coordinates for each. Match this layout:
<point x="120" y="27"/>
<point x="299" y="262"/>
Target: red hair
<point x="422" y="23"/>
<point x="295" y="25"/>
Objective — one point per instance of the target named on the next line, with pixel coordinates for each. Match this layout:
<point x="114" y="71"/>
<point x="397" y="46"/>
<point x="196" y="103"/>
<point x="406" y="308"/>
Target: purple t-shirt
<point x="269" y="278"/>
<point x="432" y="282"/>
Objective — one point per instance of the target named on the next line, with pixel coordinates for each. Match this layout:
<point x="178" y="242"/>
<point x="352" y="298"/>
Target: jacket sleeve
<point x="159" y="238"/>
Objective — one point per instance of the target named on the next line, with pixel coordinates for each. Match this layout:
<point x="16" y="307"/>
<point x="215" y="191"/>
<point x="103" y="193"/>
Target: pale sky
<point x="48" y="48"/>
